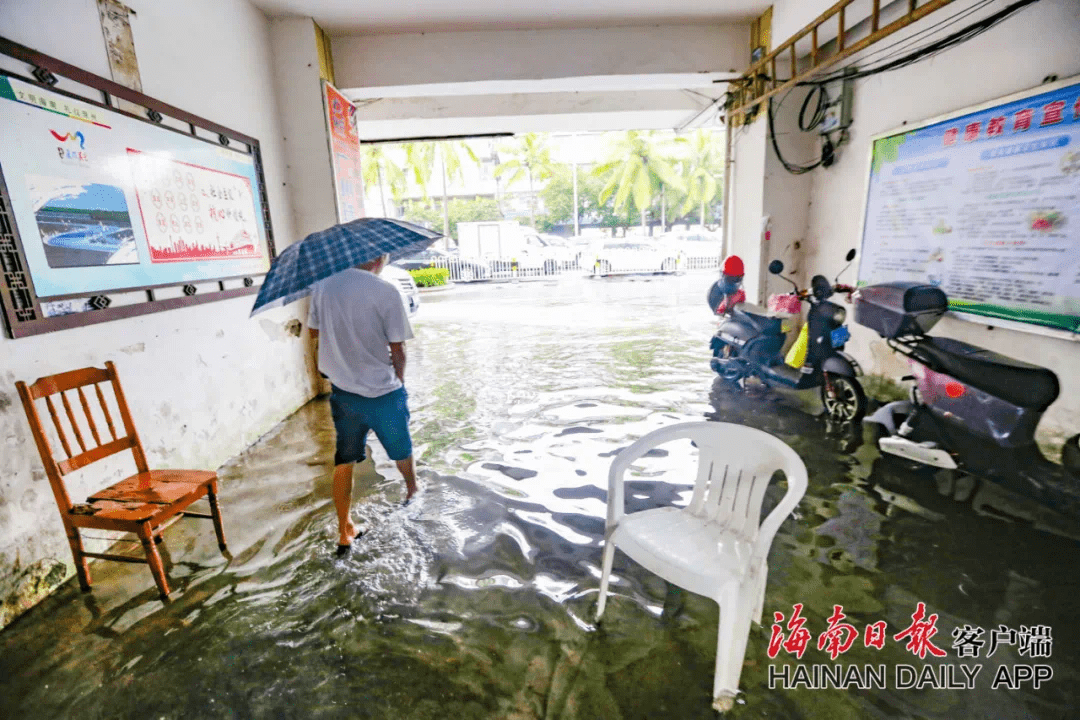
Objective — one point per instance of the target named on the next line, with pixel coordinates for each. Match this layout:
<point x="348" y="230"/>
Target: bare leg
<point x="343" y="501"/>
<point x="408" y="471"/>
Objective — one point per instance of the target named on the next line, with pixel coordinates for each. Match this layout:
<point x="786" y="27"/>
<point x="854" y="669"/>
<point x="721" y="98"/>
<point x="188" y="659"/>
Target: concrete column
<point x="746" y="203"/>
<point x="769" y="206"/>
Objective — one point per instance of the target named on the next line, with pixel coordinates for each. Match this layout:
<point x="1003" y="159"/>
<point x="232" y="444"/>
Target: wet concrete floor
<point x="477" y="600"/>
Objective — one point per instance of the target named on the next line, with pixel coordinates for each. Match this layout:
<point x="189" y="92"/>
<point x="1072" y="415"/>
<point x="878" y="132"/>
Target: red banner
<point x="345" y="155"/>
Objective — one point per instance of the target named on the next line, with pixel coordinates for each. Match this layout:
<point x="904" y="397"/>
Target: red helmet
<point x="733" y="266"/>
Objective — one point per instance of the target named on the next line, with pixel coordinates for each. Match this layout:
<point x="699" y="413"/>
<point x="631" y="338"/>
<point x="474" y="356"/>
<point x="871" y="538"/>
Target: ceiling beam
<point x="593" y="83"/>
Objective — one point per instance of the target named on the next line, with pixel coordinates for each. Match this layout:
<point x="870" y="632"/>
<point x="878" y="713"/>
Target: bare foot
<point x="410" y="490"/>
<point x="348" y="533"/>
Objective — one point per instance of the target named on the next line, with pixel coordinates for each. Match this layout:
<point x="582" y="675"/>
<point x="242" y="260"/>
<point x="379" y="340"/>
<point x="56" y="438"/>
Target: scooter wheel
<point x="847" y="402"/>
<point x="1070" y="455"/>
<point x="724" y="370"/>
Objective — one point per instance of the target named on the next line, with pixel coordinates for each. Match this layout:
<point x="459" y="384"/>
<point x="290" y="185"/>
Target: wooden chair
<point x="143" y="503"/>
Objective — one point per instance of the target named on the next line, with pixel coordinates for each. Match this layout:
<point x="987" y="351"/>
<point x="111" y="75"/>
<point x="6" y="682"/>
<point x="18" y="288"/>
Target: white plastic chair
<point x="714" y="546"/>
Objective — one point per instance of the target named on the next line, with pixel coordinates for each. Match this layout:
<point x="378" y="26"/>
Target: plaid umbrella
<point x="325" y="253"/>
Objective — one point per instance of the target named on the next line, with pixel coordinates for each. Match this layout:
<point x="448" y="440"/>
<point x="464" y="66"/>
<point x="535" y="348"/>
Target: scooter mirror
<point x="776" y="267"/>
<point x="850" y="255"/>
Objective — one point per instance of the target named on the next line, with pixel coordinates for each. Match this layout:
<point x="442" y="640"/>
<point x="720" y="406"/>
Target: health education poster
<point x="987" y="206"/>
<point x="104" y="202"/>
<point x="344" y="154"/>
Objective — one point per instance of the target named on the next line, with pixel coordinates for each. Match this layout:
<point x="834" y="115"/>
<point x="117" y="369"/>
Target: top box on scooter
<point x="897" y="309"/>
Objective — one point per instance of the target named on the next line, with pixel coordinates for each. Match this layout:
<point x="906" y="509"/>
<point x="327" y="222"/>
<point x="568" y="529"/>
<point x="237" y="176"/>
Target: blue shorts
<point x="354" y="415"/>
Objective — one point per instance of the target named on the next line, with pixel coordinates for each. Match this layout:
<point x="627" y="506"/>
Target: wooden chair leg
<point x="81" y="567"/>
<point x="215" y="510"/>
<point x="157" y="569"/>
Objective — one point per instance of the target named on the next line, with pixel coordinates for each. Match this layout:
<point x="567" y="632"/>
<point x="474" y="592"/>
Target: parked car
<point x="584" y="247"/>
<point x="695" y="244"/>
<point x="632" y="255"/>
<point x="547" y="251"/>
<point x="461" y="270"/>
<point x="403" y="281"/>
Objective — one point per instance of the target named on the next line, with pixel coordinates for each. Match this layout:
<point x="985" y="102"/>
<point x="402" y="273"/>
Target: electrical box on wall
<point x="838" y="114"/>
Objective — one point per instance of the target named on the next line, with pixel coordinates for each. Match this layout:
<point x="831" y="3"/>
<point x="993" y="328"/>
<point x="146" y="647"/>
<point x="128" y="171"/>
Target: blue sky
<point x="94" y="197"/>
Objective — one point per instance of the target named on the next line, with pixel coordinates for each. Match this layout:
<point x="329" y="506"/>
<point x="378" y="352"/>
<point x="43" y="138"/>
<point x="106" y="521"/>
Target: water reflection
<point x="476" y="601"/>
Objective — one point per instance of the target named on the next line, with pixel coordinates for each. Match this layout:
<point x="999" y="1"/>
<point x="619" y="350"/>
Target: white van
<point x="509" y="240"/>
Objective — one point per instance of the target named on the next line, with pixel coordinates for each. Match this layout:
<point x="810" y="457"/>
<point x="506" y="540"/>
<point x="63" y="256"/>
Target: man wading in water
<point x="362" y="326"/>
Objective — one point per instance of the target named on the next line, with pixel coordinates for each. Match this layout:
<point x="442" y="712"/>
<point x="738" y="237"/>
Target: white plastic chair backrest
<point x="735" y="465"/>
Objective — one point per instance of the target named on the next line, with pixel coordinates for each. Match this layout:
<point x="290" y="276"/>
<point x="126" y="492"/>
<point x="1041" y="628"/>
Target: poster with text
<point x="105" y="202"/>
<point x="985" y="205"/>
<point x="345" y="154"/>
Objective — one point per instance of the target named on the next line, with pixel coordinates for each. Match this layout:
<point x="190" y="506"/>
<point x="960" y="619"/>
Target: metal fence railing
<point x="711" y="262"/>
<point x="464" y="270"/>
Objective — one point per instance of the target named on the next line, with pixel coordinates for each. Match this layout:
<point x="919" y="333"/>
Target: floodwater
<point x="477" y="600"/>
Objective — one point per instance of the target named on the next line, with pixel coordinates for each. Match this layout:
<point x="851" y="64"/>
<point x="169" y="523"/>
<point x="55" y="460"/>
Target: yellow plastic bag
<point x="796" y="356"/>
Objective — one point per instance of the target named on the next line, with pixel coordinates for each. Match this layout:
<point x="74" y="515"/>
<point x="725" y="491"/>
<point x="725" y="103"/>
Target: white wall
<point x="1017" y="55"/>
<point x="303" y="124"/>
<point x="203" y="382"/>
<point x="439" y="57"/>
<point x="783" y="190"/>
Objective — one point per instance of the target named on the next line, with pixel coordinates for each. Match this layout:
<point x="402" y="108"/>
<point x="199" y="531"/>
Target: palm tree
<point x="445" y="156"/>
<point x="380" y="170"/>
<point x="705" y="162"/>
<point x="638" y="166"/>
<point x="530" y="158"/>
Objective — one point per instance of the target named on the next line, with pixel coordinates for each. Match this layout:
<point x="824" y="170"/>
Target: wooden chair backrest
<point x="83" y="452"/>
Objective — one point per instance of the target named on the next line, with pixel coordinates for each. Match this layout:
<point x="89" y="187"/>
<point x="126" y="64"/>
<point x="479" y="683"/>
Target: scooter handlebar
<point x="840" y="288"/>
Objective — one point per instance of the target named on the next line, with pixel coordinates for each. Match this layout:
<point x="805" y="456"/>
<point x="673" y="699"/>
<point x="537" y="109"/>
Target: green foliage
<point x="438" y="161"/>
<point x="442" y="159"/>
<point x="702" y="167"/>
<point x="530" y="158"/>
<point x="643" y="171"/>
<point x="430" y="277"/>
<point x="529" y="154"/>
<point x="381" y="172"/>
<point x="479" y="209"/>
<point x="558" y="198"/>
<point x="638" y="164"/>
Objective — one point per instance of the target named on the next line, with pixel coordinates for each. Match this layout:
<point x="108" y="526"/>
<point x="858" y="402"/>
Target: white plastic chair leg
<point x="605" y="575"/>
<point x="747" y="598"/>
<point x="762" y="578"/>
<point x="736" y="606"/>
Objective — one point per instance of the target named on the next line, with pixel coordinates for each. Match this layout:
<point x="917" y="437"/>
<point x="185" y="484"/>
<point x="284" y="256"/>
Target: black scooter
<point x="749" y="343"/>
<point x="973" y="412"/>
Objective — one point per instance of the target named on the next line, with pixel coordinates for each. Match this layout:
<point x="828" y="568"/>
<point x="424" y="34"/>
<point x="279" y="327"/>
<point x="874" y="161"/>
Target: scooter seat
<point x="762" y="323"/>
<point x="1017" y="382"/>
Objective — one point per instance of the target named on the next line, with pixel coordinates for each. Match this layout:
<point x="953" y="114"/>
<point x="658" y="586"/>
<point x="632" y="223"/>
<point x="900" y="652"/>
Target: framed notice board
<point x="106" y="214"/>
<point x="984" y="203"/>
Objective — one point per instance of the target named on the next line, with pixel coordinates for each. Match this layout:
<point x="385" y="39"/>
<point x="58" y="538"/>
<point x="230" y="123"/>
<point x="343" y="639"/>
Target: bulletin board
<point x="107" y="214"/>
<point x="984" y="203"/>
<point x="344" y="154"/>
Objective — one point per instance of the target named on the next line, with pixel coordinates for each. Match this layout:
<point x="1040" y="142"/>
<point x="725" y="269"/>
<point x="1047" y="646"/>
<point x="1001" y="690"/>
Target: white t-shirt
<point x="358" y="315"/>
